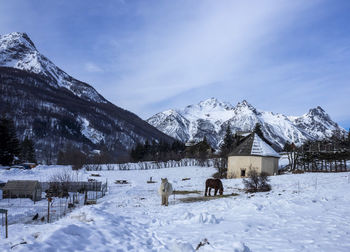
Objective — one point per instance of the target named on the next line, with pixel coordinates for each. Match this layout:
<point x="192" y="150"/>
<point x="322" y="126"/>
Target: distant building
<point x="29" y="165"/>
<point x="252" y="154"/>
<point x="22" y="189"/>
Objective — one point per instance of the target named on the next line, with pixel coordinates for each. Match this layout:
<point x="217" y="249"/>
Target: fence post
<point x="316" y="184"/>
<point x="85" y="198"/>
<point x="48" y="209"/>
<point x="6" y="225"/>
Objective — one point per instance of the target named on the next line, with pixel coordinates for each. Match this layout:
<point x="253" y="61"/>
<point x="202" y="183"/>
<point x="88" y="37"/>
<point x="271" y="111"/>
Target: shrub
<point x="220" y="175"/>
<point x="257" y="182"/>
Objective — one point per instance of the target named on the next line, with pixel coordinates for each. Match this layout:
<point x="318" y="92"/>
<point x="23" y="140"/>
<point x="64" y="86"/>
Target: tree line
<point x="157" y="151"/>
<point x="328" y="155"/>
<point x="12" y="150"/>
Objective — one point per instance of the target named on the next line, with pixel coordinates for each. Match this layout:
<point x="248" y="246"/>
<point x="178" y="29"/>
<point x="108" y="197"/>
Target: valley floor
<point x="304" y="212"/>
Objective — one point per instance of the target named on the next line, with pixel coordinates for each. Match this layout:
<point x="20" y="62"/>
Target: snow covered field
<point x="304" y="212"/>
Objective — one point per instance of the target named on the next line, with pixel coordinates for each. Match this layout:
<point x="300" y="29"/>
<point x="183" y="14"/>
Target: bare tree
<point x="293" y="155"/>
<point x="257" y="182"/>
<point x="59" y="183"/>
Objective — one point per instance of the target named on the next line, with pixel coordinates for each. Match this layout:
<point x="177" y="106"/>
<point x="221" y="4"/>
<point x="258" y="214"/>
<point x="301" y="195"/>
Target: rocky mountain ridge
<point x="211" y="117"/>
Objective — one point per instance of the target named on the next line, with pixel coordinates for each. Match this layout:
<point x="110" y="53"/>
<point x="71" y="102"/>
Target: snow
<point x="303" y="212"/>
<point x="261" y="148"/>
<point x="18" y="51"/>
<point x="210" y="109"/>
<point x="94" y="135"/>
<point x="211" y="118"/>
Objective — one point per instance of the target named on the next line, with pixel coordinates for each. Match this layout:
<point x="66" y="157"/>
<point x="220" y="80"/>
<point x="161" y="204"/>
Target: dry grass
<point x="297" y="172"/>
<point x="186" y="192"/>
<point x="203" y="198"/>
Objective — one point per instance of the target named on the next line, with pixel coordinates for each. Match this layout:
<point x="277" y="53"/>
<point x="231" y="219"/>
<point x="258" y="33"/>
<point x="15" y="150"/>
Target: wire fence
<point x="150" y="165"/>
<point x="300" y="186"/>
<point x="47" y="210"/>
<point x="3" y="229"/>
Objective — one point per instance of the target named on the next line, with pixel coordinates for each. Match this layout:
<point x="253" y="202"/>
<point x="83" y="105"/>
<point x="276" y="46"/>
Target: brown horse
<point x="213" y="183"/>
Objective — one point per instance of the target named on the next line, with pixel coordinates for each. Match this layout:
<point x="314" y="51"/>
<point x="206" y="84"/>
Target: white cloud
<point x="92" y="67"/>
<point x="216" y="42"/>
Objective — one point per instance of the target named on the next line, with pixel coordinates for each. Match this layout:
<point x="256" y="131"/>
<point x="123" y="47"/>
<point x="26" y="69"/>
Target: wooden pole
<point x="6" y="225"/>
<point x="48" y="209"/>
<point x="85" y="198"/>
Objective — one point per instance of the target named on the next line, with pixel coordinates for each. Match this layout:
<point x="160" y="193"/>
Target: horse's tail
<point x="221" y="186"/>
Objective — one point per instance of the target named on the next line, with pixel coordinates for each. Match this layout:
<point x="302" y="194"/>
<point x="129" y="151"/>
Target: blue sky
<point x="148" y="56"/>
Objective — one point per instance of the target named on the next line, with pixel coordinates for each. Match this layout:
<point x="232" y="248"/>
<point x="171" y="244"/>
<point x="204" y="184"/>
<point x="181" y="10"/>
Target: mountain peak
<point x="211" y="103"/>
<point x="210" y="118"/>
<point x="245" y="104"/>
<point x="18" y="51"/>
<point x="318" y="111"/>
<point x="15" y="39"/>
<point x="210" y="100"/>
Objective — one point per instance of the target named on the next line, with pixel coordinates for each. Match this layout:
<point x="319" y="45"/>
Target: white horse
<point x="165" y="190"/>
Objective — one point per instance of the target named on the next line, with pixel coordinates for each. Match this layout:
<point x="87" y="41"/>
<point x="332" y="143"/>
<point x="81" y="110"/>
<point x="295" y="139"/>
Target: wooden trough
<point x="121" y="181"/>
<point x="90" y="202"/>
<point x="150" y="181"/>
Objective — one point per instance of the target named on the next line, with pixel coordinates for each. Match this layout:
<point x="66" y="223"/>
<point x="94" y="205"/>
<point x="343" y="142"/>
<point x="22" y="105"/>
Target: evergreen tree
<point x="147" y="150"/>
<point x="226" y="147"/>
<point x="228" y="143"/>
<point x="138" y="152"/>
<point x="9" y="144"/>
<point x="27" y="153"/>
<point x="287" y="146"/>
<point x="61" y="160"/>
<point x="178" y="146"/>
<point x="257" y="130"/>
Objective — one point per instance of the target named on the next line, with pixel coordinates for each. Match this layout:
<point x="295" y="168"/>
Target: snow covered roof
<point x="253" y="145"/>
<point x="21" y="186"/>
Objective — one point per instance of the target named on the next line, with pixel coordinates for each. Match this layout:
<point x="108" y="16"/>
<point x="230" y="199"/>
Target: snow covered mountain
<point x="53" y="108"/>
<point x="211" y="117"/>
<point x="18" y="51"/>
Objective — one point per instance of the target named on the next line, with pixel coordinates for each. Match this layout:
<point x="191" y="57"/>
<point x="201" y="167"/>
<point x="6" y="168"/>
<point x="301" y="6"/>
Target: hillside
<point x="53" y="108"/>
